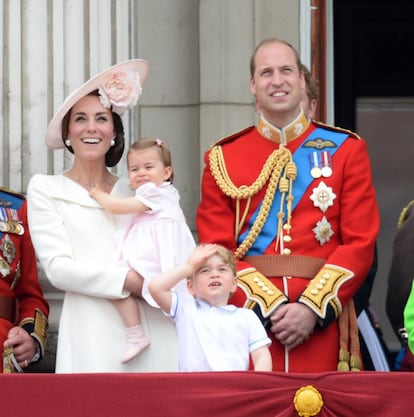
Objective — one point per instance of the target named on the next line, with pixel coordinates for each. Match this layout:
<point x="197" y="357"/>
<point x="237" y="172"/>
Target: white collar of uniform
<point x="204" y="305"/>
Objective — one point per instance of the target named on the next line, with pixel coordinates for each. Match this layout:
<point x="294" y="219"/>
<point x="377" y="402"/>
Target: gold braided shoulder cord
<point x="272" y="172"/>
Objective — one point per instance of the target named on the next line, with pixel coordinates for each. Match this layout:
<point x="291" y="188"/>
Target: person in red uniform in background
<point x="23" y="308"/>
<point x="294" y="200"/>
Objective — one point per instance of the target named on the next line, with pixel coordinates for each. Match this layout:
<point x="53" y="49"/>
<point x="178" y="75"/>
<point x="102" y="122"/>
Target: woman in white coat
<point x="73" y="235"/>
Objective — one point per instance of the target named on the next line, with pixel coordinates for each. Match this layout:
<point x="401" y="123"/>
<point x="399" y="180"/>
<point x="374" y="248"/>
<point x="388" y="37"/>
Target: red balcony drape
<point x="229" y="394"/>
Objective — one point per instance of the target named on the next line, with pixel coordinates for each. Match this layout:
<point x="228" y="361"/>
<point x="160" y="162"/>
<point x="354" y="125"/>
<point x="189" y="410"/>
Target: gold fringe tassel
<point x="349" y="349"/>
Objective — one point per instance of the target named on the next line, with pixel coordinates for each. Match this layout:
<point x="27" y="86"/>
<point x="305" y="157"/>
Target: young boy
<point x="212" y="335"/>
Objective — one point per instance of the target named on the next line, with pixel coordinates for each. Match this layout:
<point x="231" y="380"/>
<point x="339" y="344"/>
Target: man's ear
<point x="252" y="86"/>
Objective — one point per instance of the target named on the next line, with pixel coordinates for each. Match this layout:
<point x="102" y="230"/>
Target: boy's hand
<point x="200" y="255"/>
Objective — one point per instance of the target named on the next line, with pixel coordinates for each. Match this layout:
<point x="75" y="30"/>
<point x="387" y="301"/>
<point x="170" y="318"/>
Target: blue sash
<point x="301" y="158"/>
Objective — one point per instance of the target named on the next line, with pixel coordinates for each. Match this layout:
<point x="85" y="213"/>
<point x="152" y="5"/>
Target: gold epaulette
<point x="233" y="136"/>
<point x="259" y="290"/>
<point x="323" y="290"/>
<point x="337" y="129"/>
<point x="404" y="214"/>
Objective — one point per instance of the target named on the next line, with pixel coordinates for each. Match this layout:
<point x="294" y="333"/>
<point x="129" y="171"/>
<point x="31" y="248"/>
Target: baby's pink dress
<point x="157" y="239"/>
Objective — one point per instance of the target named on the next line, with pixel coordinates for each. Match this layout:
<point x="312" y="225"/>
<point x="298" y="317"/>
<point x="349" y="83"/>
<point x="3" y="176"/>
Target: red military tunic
<point x="21" y="297"/>
<point x="334" y="221"/>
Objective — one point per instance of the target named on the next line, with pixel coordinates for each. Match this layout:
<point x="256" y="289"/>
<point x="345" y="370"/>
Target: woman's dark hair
<point x="115" y="152"/>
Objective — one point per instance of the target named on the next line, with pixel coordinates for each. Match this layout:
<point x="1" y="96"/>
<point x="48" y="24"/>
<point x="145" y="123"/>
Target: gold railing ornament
<point x="308" y="401"/>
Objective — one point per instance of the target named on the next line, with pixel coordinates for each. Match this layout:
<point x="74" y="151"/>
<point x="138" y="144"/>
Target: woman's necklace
<point x="106" y="183"/>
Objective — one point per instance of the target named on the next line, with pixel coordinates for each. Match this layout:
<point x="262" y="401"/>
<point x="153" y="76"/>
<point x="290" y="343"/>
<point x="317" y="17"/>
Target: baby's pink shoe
<point x="136" y="341"/>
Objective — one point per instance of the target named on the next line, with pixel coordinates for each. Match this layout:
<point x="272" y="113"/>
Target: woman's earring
<point x="68" y="142"/>
<point x="112" y="142"/>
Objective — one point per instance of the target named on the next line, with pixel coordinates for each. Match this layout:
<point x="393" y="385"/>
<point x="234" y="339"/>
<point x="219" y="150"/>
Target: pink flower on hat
<point x="121" y="90"/>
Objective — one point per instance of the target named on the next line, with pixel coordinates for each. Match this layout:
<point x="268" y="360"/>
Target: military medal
<point x="12" y="226"/>
<point x="9" y="221"/>
<point x="315" y="171"/>
<point x="8" y="249"/>
<point x="323" y="231"/>
<point x="326" y="169"/>
<point x="4" y="226"/>
<point x="16" y="228"/>
<point x="323" y="196"/>
<point x="4" y="267"/>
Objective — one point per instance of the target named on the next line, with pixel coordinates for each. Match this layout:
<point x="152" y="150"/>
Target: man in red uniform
<point x="294" y="199"/>
<point x="23" y="308"/>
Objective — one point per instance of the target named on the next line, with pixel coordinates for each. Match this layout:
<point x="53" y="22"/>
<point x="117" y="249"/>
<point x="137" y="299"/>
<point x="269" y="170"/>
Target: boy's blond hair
<point x="226" y="256"/>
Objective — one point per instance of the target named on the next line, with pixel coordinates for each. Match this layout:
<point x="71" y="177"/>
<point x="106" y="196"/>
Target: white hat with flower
<point x="119" y="86"/>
